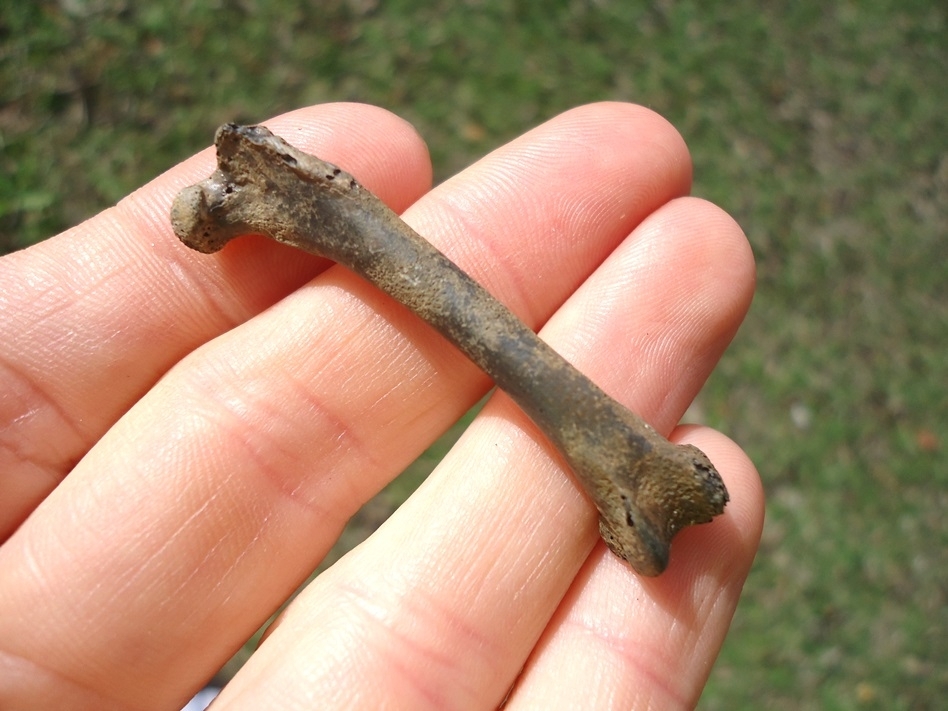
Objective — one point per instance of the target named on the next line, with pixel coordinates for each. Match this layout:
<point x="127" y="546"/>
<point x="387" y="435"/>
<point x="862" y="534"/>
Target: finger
<point x="443" y="605"/>
<point x="650" y="643"/>
<point x="225" y="485"/>
<point x="96" y="315"/>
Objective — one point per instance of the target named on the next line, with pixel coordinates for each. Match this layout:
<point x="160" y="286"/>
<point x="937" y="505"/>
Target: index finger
<point x="95" y="316"/>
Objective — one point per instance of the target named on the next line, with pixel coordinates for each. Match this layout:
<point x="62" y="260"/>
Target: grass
<point x="820" y="127"/>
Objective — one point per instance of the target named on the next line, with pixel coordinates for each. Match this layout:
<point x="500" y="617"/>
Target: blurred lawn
<point x="821" y="127"/>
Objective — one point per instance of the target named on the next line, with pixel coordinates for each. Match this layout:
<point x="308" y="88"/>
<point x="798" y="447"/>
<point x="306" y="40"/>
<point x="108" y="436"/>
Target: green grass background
<point x="820" y="126"/>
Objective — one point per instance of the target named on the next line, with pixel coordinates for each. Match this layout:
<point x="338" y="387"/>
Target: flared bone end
<point x="685" y="489"/>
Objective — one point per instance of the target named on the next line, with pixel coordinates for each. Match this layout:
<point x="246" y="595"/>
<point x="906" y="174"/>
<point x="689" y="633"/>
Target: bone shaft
<point x="408" y="268"/>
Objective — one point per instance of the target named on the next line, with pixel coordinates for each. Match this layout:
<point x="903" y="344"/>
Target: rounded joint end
<point x="192" y="223"/>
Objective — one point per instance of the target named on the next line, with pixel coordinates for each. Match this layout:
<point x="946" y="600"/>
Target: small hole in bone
<point x="629" y="518"/>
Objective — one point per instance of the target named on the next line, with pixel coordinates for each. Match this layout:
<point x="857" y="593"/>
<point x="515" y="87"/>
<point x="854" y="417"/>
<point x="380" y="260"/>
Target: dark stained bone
<point x="646" y="489"/>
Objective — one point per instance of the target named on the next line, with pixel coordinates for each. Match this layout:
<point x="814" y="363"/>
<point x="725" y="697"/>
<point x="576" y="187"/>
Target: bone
<point x="645" y="488"/>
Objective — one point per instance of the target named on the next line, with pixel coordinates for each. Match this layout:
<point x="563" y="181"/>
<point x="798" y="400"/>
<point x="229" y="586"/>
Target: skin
<point x="220" y="418"/>
<point x="645" y="488"/>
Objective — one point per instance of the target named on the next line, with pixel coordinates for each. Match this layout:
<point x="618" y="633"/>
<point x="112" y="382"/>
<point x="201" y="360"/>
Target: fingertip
<point x="718" y="241"/>
<point x="632" y="127"/>
<point x="694" y="600"/>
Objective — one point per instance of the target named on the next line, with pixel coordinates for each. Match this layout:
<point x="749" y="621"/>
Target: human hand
<point x="228" y="414"/>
